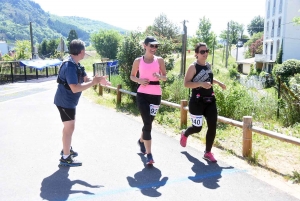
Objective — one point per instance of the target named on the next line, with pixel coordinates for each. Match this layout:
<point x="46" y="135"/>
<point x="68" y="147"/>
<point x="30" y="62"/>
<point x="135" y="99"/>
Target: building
<point x="4" y="49"/>
<point x="279" y="29"/>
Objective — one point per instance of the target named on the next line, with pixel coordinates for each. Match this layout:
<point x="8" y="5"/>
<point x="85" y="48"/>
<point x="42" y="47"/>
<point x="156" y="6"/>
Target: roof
<point x="246" y="61"/>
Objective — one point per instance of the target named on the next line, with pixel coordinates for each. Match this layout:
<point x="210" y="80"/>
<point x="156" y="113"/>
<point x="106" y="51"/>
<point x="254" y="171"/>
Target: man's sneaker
<point x="183" y="139"/>
<point x="142" y="147"/>
<point x="73" y="153"/>
<point x="69" y="162"/>
<point x="209" y="156"/>
<point x="149" y="159"/>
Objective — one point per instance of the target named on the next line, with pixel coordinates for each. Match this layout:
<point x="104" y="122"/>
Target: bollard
<point x="183" y="113"/>
<point x="119" y="94"/>
<point x="100" y="90"/>
<point x="247" y="136"/>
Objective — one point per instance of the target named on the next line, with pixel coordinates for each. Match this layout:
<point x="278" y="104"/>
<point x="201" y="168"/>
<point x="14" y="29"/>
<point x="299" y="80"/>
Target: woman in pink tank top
<point x="151" y="70"/>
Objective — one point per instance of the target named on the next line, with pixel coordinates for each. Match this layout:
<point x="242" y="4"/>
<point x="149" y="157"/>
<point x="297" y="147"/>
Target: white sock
<point x="65" y="156"/>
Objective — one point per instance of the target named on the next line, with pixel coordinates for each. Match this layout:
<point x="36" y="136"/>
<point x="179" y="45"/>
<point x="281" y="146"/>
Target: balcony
<point x="264" y="58"/>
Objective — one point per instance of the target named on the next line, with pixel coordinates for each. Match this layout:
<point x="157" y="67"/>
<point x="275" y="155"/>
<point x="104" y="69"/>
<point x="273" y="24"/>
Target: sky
<point x="138" y="14"/>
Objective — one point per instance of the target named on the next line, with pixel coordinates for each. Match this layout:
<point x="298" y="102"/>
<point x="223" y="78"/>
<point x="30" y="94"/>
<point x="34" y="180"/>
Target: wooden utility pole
<point x="227" y="45"/>
<point x="183" y="52"/>
<point x="213" y="55"/>
<point x="31" y="40"/>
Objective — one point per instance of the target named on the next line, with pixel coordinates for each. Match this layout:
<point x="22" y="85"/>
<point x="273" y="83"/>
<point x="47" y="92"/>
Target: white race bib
<point x="153" y="109"/>
<point x="196" y="120"/>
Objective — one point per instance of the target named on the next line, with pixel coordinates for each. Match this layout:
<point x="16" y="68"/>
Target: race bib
<point x="153" y="109"/>
<point x="196" y="120"/>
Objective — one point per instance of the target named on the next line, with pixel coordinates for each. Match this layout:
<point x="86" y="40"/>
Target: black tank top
<point x="203" y="74"/>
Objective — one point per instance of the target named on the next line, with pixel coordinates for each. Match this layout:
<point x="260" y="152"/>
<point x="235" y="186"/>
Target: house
<point x="280" y="31"/>
<point x="4" y="47"/>
<point x="244" y="65"/>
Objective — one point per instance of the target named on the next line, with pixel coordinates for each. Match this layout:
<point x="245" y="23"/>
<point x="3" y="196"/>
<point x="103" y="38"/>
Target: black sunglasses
<point x="153" y="46"/>
<point x="203" y="51"/>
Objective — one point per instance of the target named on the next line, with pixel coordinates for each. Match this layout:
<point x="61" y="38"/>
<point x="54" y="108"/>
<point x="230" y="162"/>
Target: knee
<point x="196" y="129"/>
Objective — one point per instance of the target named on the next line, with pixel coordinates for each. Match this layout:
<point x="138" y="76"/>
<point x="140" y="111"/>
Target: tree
<point x="235" y="31"/>
<point x="296" y="20"/>
<point x="163" y="27"/>
<point x="106" y="43"/>
<point x="254" y="45"/>
<point x="256" y="25"/>
<point x="280" y="53"/>
<point x="72" y="35"/>
<point x="23" y="49"/>
<point x="203" y="34"/>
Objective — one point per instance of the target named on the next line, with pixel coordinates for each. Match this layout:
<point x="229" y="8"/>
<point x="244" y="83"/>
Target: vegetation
<point x="256" y="25"/>
<point x="255" y="44"/>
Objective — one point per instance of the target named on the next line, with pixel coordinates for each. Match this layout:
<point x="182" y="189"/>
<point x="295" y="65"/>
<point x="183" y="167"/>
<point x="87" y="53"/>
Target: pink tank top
<point x="146" y="71"/>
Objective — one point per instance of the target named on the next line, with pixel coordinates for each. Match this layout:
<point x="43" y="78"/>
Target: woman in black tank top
<point x="199" y="78"/>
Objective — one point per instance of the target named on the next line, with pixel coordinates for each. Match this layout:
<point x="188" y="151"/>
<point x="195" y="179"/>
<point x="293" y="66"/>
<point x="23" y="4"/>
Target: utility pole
<point x="237" y="53"/>
<point x="183" y="52"/>
<point x="227" y="44"/>
<point x="31" y="39"/>
<point x="212" y="62"/>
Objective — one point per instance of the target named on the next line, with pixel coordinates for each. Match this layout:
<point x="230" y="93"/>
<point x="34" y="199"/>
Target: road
<point x="113" y="168"/>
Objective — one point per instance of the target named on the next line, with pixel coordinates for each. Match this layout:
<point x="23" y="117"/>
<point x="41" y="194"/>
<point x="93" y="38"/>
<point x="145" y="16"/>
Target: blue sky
<point x="138" y="14"/>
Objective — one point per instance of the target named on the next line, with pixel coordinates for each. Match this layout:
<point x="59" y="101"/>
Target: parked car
<point x="240" y="44"/>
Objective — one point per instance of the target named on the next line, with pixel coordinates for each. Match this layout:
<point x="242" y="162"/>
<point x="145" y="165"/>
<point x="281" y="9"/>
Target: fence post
<point x="119" y="94"/>
<point x="100" y="90"/>
<point x="247" y="136"/>
<point x="183" y="113"/>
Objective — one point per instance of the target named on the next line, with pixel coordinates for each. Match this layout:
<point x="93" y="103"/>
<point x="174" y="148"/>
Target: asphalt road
<point x="113" y="169"/>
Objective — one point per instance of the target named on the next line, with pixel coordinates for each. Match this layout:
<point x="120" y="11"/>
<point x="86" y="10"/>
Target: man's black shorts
<point x="66" y="114"/>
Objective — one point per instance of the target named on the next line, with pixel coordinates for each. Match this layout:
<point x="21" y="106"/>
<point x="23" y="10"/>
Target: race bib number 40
<point x="153" y="109"/>
<point x="196" y="120"/>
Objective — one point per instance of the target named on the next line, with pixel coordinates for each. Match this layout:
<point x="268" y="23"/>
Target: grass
<point x="266" y="152"/>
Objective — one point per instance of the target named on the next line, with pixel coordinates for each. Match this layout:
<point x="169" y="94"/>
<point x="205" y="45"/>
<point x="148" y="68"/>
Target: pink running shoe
<point x="209" y="156"/>
<point x="183" y="139"/>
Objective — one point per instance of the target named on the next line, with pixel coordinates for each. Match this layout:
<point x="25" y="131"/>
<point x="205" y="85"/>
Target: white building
<point x="279" y="28"/>
<point x="3" y="48"/>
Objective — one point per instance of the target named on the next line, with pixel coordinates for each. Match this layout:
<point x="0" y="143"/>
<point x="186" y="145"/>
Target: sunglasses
<point x="203" y="51"/>
<point x="153" y="46"/>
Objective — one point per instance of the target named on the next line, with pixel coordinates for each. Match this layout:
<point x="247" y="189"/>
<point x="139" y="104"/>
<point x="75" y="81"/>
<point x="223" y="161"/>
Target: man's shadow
<point x="148" y="180"/>
<point x="58" y="186"/>
<point x="209" y="175"/>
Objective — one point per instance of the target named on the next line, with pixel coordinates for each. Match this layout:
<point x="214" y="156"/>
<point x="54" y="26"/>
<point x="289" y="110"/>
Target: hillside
<point x="16" y="15"/>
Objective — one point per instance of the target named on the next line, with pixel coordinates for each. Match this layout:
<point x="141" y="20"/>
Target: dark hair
<point x="198" y="45"/>
<point x="76" y="46"/>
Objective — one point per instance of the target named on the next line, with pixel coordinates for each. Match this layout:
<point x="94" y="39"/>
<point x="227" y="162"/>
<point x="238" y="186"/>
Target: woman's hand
<point x="143" y="82"/>
<point x="205" y="85"/>
<point x="223" y="86"/>
<point x="156" y="75"/>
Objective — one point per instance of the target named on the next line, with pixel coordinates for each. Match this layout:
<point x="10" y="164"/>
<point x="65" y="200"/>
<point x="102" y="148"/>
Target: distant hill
<point x="16" y="15"/>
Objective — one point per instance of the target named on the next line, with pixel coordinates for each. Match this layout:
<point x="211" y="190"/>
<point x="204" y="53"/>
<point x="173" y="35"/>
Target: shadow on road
<point x="148" y="180"/>
<point x="58" y="186"/>
<point x="208" y="175"/>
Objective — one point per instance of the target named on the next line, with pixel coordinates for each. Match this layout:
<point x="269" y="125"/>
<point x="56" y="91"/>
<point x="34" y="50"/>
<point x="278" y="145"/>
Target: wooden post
<point x="119" y="94"/>
<point x="100" y="90"/>
<point x="247" y="136"/>
<point x="183" y="113"/>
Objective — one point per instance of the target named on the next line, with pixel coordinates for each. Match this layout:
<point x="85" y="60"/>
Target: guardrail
<point x="246" y="125"/>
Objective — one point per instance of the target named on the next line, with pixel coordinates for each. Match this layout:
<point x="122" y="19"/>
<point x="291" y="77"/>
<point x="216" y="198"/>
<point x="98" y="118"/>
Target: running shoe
<point x="142" y="147"/>
<point x="209" y="156"/>
<point x="183" y="139"/>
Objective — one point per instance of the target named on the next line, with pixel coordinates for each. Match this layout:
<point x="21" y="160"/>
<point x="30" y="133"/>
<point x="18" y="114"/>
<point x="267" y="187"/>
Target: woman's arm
<point x="222" y="85"/>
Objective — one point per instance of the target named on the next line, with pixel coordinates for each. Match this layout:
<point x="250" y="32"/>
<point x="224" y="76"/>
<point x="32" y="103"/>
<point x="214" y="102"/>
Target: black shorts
<point x="66" y="114"/>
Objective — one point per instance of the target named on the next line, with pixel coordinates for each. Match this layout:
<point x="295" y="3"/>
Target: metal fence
<point x="12" y="71"/>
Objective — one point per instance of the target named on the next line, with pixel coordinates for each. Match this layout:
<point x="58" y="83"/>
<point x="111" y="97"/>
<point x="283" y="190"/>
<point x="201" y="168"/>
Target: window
<point x="274" y="7"/>
<point x="279" y="27"/>
<point x="278" y="46"/>
<point x="280" y="6"/>
<point x="272" y="31"/>
<point x="267" y="34"/>
<point x="268" y="12"/>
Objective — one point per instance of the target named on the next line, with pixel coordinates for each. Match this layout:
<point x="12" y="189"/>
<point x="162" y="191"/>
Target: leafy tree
<point x="72" y="35"/>
<point x="23" y="49"/>
<point x="235" y="31"/>
<point x="163" y="27"/>
<point x="280" y="53"/>
<point x="256" y="25"/>
<point x="255" y="45"/>
<point x="204" y="33"/>
<point x="106" y="43"/>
